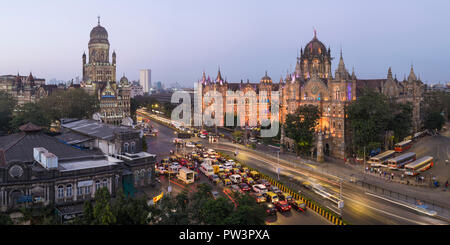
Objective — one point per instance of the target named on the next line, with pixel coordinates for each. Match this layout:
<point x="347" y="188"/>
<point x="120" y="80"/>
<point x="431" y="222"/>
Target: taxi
<point x="260" y="198"/>
<point x="227" y="172"/>
<point x="254" y="174"/>
<point x="272" y="197"/>
<point x="237" y="165"/>
<point x="244" y="175"/>
<point x="245" y="170"/>
<point x="285" y="197"/>
<point x="235" y="171"/>
<point x="249" y="181"/>
<point x="298" y="205"/>
<point x="222" y="176"/>
<point x="227" y="182"/>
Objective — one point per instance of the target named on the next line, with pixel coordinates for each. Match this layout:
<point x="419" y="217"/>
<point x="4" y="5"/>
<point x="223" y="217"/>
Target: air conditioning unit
<point x="49" y="160"/>
<point x="37" y="151"/>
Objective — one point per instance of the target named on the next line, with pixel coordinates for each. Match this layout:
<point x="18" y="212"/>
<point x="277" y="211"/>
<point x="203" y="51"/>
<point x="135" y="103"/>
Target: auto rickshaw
<point x="227" y="182"/>
<point x="245" y="170"/>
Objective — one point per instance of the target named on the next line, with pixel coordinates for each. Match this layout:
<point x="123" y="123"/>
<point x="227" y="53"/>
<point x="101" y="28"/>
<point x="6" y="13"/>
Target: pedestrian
<point x="402" y="176"/>
<point x="407" y="182"/>
<point x="446" y="184"/>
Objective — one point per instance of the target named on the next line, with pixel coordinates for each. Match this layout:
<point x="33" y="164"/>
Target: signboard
<point x="158" y="197"/>
<point x="85" y="183"/>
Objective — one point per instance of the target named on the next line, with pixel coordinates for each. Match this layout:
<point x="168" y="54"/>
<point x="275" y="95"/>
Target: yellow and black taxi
<point x="283" y="206"/>
<point x="298" y="205"/>
<point x="254" y="174"/>
<point x="285" y="197"/>
<point x="272" y="197"/>
<point x="227" y="182"/>
<point x="249" y="181"/>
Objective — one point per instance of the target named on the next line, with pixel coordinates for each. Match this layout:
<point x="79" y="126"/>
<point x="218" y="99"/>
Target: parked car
<point x="285" y="197"/>
<point x="283" y="206"/>
<point x="274" y="189"/>
<point x="190" y="144"/>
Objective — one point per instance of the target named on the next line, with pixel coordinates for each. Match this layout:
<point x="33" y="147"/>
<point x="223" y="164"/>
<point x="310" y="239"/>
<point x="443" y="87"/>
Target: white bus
<point x="380" y="159"/>
<point x="419" y="165"/>
<point x="400" y="161"/>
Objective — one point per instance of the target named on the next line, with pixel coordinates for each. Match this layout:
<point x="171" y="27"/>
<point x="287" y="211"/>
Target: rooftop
<point x="96" y="129"/>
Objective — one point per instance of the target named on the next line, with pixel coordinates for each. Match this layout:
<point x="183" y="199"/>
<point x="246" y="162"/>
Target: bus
<point x="400" y="161"/>
<point x="403" y="146"/>
<point x="380" y="159"/>
<point x="419" y="165"/>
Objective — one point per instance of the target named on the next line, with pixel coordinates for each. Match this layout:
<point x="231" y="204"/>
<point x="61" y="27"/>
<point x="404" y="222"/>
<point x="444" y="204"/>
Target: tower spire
<point x="98" y="17"/>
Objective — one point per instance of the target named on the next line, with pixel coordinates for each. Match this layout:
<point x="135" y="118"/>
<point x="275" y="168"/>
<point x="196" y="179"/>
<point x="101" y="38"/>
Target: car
<point x="270" y="209"/>
<point x="274" y="189"/>
<point x="263" y="182"/>
<point x="271" y="197"/>
<point x="199" y="145"/>
<point x="285" y="197"/>
<point x="227" y="182"/>
<point x="214" y="178"/>
<point x="253" y="140"/>
<point x="249" y="181"/>
<point x="260" y="198"/>
<point x="244" y="187"/>
<point x="202" y="136"/>
<point x="228" y="166"/>
<point x="298" y="205"/>
<point x="283" y="206"/>
<point x="190" y="144"/>
<point x="307" y="185"/>
<point x="259" y="188"/>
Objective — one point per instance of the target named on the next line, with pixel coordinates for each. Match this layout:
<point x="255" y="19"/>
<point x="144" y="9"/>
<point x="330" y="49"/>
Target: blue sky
<point x="180" y="39"/>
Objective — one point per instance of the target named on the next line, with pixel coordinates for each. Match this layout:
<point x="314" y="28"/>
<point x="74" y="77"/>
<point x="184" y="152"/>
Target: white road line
<point x="385" y="212"/>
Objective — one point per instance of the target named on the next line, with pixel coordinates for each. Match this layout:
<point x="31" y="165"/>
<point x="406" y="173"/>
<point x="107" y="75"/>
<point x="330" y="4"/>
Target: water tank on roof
<point x="37" y="151"/>
<point x="49" y="160"/>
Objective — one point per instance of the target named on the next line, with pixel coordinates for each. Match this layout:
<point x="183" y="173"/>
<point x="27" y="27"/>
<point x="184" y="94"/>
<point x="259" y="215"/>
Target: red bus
<point x="403" y="146"/>
<point x="400" y="161"/>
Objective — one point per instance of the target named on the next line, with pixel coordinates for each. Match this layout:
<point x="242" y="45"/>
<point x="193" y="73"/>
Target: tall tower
<point x="97" y="71"/>
<point x="146" y="79"/>
<point x="315" y="56"/>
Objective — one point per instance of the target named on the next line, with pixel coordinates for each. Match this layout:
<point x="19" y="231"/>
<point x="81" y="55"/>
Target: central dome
<point x="315" y="47"/>
<point x="99" y="35"/>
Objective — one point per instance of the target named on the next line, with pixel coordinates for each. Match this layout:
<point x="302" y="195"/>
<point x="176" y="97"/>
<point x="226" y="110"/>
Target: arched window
<point x="60" y="192"/>
<point x="69" y="190"/>
<point x="105" y="183"/>
<point x="79" y="190"/>
<point x="142" y="173"/>
<point x="125" y="147"/>
<point x="97" y="185"/>
<point x="133" y="147"/>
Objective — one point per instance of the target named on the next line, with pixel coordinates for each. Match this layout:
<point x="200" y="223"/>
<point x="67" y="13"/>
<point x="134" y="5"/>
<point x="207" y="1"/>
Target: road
<point x="162" y="144"/>
<point x="360" y="207"/>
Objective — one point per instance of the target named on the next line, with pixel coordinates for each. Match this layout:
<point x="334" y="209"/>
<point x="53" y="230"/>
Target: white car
<point x="227" y="165"/>
<point x="259" y="188"/>
<point x="190" y="144"/>
<point x="211" y="151"/>
<point x="202" y="136"/>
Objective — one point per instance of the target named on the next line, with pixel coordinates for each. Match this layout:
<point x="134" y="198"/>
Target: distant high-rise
<point x="146" y="79"/>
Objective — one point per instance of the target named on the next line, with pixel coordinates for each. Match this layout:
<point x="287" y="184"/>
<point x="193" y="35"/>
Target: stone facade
<point x="99" y="78"/>
<point x="312" y="82"/>
<point x="25" y="89"/>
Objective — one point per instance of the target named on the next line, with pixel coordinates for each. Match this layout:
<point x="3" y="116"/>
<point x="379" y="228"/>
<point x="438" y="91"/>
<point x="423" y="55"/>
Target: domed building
<point x="99" y="77"/>
<point x="315" y="56"/>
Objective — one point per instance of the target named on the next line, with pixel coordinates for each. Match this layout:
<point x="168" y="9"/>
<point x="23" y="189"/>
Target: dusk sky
<point x="177" y="40"/>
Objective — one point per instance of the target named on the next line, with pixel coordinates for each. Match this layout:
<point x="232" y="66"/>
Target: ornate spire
<point x="219" y="78"/>
<point x="353" y="73"/>
<point x="412" y="75"/>
<point x="389" y="76"/>
<point x="98" y="17"/>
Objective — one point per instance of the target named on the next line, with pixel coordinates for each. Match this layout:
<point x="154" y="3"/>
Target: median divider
<point x="311" y="204"/>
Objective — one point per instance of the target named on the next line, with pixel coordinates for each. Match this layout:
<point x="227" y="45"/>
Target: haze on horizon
<point x="179" y="40"/>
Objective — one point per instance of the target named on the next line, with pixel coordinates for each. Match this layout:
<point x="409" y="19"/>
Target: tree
<point x="215" y="211"/>
<point x="7" y="105"/>
<point x="434" y="120"/>
<point x="435" y="109"/>
<point x="103" y="214"/>
<point x="5" y="219"/>
<point x="134" y="105"/>
<point x="30" y="112"/>
<point x="248" y="212"/>
<point x="300" y="127"/>
<point x="130" y="211"/>
<point x="88" y="213"/>
<point x="400" y="119"/>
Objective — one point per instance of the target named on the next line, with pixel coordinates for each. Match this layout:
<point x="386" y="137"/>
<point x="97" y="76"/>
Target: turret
<point x="114" y="57"/>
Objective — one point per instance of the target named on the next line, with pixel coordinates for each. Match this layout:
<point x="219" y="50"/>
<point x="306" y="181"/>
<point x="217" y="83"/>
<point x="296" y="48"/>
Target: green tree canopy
<point x="30" y="112"/>
<point x="7" y="105"/>
<point x="300" y="127"/>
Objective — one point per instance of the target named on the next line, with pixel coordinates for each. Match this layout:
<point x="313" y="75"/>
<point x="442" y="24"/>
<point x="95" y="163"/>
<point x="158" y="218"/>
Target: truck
<point x="186" y="175"/>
